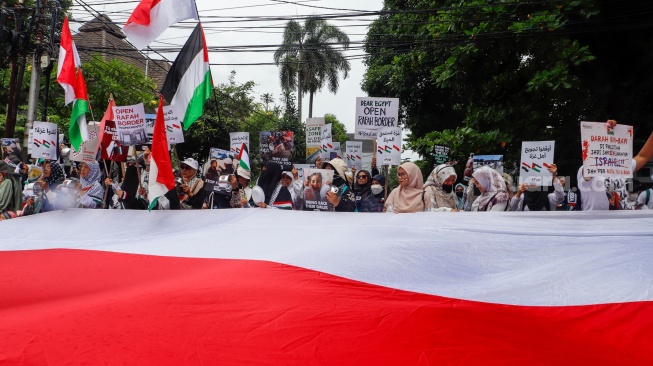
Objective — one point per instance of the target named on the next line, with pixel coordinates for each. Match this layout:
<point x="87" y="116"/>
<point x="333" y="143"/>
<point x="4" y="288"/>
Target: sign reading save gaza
<point x="373" y="114"/>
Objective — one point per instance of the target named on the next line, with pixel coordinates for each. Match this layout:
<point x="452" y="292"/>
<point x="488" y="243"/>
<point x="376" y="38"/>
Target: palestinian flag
<point x="161" y="177"/>
<point x="71" y="79"/>
<point x="243" y="158"/>
<point x="153" y="17"/>
<point x="188" y="84"/>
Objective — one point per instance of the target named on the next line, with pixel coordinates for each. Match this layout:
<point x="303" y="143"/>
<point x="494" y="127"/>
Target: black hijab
<point x="130" y="186"/>
<point x="269" y="179"/>
<point x="537" y="200"/>
<point x="362" y="190"/>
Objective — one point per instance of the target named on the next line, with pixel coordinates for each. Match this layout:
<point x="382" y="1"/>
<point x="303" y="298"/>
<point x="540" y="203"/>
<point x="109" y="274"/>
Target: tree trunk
<point x="310" y="106"/>
<point x="10" y="123"/>
<point x="299" y="94"/>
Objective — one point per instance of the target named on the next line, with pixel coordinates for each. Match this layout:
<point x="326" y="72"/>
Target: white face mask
<point x="376" y="188"/>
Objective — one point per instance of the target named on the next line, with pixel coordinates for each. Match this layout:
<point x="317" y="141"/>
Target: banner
<point x="317" y="183"/>
<point x="373" y="114"/>
<point x="440" y="154"/>
<point x="277" y="146"/>
<point x="326" y="142"/>
<point x="493" y="161"/>
<point x="313" y="137"/>
<point x="216" y="178"/>
<point x="130" y="124"/>
<point x="236" y="140"/>
<point x="388" y="146"/>
<point x="607" y="151"/>
<point x="536" y="158"/>
<point x="89" y="148"/>
<point x="10" y="146"/>
<point x="45" y="140"/>
<point x="110" y="146"/>
<point x="354" y="150"/>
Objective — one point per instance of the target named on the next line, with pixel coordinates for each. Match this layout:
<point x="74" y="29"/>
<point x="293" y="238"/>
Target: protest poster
<point x="373" y="114"/>
<point x="278" y="147"/>
<point x="30" y="142"/>
<point x="313" y="137"/>
<point x="317" y="182"/>
<point x="89" y="148"/>
<point x="353" y="154"/>
<point x="216" y="177"/>
<point x="10" y="147"/>
<point x="236" y="141"/>
<point x="607" y="151"/>
<point x="174" y="125"/>
<point x="130" y="124"/>
<point x="440" y="154"/>
<point x="337" y="150"/>
<point x="493" y="161"/>
<point x="326" y="142"/>
<point x="110" y="146"/>
<point x="149" y="127"/>
<point x="536" y="158"/>
<point x="45" y="140"/>
<point x="388" y="146"/>
<point x="301" y="168"/>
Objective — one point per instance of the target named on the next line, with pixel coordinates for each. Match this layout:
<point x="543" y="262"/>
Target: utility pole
<point x="34" y="86"/>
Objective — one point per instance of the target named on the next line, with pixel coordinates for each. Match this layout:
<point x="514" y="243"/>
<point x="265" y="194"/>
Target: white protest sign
<point x="44" y="140"/>
<point x="337" y="150"/>
<point x="536" y="158"/>
<point x="606" y="151"/>
<point x="236" y="140"/>
<point x="373" y="114"/>
<point x="130" y="124"/>
<point x="30" y="142"/>
<point x="326" y="142"/>
<point x="313" y="135"/>
<point x="88" y="150"/>
<point x="174" y="127"/>
<point x="354" y="157"/>
<point x="301" y="168"/>
<point x="388" y="146"/>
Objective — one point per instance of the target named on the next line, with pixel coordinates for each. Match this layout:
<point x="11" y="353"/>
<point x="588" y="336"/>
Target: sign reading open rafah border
<point x="130" y="124"/>
<point x="536" y="158"/>
<point x="607" y="151"/>
<point x="373" y="114"/>
<point x="388" y="146"/>
<point x="45" y="140"/>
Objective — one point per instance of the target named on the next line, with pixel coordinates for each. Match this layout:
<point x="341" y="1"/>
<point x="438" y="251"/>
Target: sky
<point x="225" y="28"/>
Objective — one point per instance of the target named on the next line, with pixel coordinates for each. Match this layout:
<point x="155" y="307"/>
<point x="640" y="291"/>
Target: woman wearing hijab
<point x="344" y="199"/>
<point x="374" y="202"/>
<point x="536" y="198"/>
<point x="493" y="193"/>
<point x="92" y="193"/>
<point x="11" y="195"/>
<point x="276" y="195"/>
<point x="362" y="185"/>
<point x="410" y="195"/>
<point x="127" y="193"/>
<point x="440" y="186"/>
<point x="53" y="175"/>
<point x="460" y="196"/>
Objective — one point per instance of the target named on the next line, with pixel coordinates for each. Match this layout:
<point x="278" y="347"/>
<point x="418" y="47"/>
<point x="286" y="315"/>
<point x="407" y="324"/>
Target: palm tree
<point x="311" y="56"/>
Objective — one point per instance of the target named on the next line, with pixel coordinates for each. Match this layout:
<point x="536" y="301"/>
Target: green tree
<point x="308" y="57"/>
<point x="338" y="130"/>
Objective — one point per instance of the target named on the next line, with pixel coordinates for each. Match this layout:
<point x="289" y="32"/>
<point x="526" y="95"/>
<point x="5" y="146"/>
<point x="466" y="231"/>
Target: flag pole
<point x="106" y="187"/>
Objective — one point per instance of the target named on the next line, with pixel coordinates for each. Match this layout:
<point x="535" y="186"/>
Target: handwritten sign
<point x="354" y="154"/>
<point x="326" y="142"/>
<point x="606" y="151"/>
<point x="388" y="146"/>
<point x="45" y="140"/>
<point x="236" y="140"/>
<point x="536" y="158"/>
<point x="373" y="114"/>
<point x="88" y="151"/>
<point x="440" y="154"/>
<point x="130" y="124"/>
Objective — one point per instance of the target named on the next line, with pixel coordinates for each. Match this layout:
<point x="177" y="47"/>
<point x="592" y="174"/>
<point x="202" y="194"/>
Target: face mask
<point x="460" y="194"/>
<point x="633" y="196"/>
<point x="447" y="188"/>
<point x="477" y="192"/>
<point x="376" y="188"/>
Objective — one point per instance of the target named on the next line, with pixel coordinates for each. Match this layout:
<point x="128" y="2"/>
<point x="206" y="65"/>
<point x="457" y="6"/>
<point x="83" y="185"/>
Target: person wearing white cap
<point x="241" y="192"/>
<point x="192" y="193"/>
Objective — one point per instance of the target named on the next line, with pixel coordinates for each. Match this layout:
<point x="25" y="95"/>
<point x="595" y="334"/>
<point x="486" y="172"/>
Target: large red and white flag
<point x="288" y="288"/>
<point x="161" y="178"/>
<point x="153" y="17"/>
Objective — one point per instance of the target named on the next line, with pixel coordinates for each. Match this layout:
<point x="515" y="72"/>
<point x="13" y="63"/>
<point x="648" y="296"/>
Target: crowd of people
<point x="96" y="185"/>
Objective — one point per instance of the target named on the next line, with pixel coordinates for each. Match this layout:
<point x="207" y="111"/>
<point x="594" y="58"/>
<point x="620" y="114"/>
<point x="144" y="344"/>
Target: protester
<point x="341" y="197"/>
<point x="53" y="175"/>
<point x="241" y="192"/>
<point x="460" y="196"/>
<point x="191" y="191"/>
<point x="276" y="195"/>
<point x="494" y="195"/>
<point x="126" y="195"/>
<point x="92" y="193"/>
<point x="11" y="196"/>
<point x="374" y="202"/>
<point x="410" y="196"/>
<point x="530" y="197"/>
<point x="439" y="185"/>
<point x="362" y="186"/>
<point x="296" y="189"/>
<point x="645" y="200"/>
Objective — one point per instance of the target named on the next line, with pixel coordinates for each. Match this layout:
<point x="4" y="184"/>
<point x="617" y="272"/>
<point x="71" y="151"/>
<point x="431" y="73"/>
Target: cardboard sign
<point x="45" y="140"/>
<point x="326" y="142"/>
<point x="606" y="151"/>
<point x="313" y="136"/>
<point x="536" y="158"/>
<point x="493" y="161"/>
<point x="373" y="114"/>
<point x="89" y="148"/>
<point x="277" y="146"/>
<point x="354" y="154"/>
<point x="440" y="154"/>
<point x="110" y="147"/>
<point x="130" y="124"/>
<point x="388" y="146"/>
<point x="236" y="140"/>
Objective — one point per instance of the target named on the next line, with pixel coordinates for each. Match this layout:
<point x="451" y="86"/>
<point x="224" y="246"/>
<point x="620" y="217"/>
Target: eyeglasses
<point x="362" y="177"/>
<point x="402" y="175"/>
<point x="185" y="167"/>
